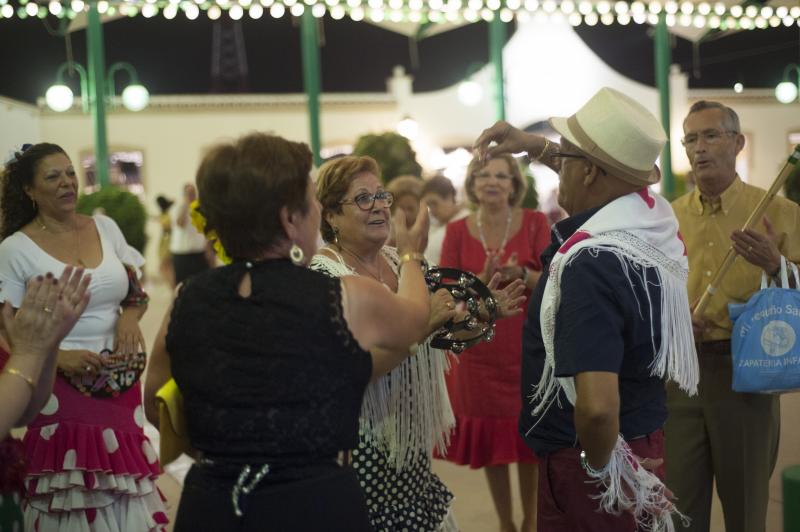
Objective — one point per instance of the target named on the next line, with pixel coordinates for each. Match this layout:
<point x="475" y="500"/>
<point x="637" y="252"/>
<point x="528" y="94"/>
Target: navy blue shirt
<point x="603" y="324"/>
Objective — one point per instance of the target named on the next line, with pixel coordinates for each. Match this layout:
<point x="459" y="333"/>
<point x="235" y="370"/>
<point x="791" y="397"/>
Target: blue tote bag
<point x="766" y="337"/>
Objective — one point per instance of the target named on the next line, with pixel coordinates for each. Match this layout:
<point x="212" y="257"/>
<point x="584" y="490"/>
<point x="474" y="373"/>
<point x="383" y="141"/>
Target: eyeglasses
<point x="562" y="155"/>
<point x="366" y="201"/>
<point x="710" y="136"/>
<point x="558" y="158"/>
<point x="486" y="175"/>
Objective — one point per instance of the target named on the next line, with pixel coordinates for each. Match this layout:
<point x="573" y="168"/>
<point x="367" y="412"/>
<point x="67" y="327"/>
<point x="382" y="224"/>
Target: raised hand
<point x="511" y="269"/>
<point x="490" y="266"/>
<point x="510" y="299"/>
<point x="415" y="238"/>
<point x="507" y="139"/>
<point x="47" y="313"/>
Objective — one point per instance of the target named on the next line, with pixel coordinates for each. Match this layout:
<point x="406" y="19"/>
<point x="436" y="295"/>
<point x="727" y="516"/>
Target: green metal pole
<point x="663" y="58"/>
<point x="311" y="78"/>
<point x="97" y="93"/>
<point x="497" y="39"/>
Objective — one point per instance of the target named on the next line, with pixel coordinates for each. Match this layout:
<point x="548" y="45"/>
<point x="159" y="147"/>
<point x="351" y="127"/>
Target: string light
<point x="357" y="14"/>
<point x="686" y="13"/>
<point x="256" y="11"/>
<point x="170" y="12"/>
<point x="277" y="10"/>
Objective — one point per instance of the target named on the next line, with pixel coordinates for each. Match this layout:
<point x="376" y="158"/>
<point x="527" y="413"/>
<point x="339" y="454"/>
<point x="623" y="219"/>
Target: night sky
<point x="174" y="56"/>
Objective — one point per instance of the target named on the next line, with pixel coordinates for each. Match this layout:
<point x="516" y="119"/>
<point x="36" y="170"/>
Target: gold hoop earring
<point x="296" y="255"/>
<point x="336" y="235"/>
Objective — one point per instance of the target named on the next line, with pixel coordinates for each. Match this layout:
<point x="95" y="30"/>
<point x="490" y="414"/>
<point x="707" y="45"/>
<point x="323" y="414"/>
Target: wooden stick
<point x="788" y="169"/>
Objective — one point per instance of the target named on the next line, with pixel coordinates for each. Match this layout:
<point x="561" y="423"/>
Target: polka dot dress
<point x="412" y="499"/>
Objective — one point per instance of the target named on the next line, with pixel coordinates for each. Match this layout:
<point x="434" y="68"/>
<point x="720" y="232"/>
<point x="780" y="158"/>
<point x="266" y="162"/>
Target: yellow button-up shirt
<point x="706" y="226"/>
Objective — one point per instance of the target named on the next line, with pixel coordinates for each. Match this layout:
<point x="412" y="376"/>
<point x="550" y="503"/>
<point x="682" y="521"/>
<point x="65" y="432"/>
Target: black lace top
<point x="276" y="376"/>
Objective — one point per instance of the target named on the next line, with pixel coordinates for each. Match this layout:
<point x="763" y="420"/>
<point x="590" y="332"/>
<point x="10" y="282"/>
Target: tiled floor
<point x="473" y="505"/>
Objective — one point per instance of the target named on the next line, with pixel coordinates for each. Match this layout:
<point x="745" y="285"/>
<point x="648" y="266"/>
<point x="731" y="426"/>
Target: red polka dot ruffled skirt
<point x="90" y="466"/>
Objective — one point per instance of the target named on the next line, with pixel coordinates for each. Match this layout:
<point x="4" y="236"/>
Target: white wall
<point x="19" y="124"/>
<point x="174" y="131"/>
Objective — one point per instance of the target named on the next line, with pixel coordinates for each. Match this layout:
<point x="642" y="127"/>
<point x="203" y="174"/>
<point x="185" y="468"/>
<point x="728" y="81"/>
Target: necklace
<point x="378" y="277"/>
<point x="78" y="259"/>
<point x="501" y="249"/>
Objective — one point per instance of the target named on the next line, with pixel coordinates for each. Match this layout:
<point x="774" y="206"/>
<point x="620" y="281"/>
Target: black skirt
<point x="330" y="499"/>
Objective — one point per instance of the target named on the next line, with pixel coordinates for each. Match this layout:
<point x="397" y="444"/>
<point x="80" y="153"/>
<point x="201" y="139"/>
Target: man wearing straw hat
<point x="608" y="322"/>
<point x="720" y="434"/>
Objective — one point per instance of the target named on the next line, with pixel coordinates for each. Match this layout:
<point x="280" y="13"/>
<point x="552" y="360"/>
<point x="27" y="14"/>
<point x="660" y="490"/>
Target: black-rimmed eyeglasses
<point x="562" y="155"/>
<point x="366" y="201"/>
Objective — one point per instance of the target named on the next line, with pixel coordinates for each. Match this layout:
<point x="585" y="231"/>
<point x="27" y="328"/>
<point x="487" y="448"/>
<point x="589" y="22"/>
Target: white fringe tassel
<point x="408" y="411"/>
<point x="625" y="486"/>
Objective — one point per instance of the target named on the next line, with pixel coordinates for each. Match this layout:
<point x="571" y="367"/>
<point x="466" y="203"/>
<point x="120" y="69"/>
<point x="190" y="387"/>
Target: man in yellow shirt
<point x="721" y="434"/>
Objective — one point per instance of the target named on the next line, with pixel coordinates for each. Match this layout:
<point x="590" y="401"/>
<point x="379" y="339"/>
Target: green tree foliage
<point x="393" y="153"/>
<point x="531" y="199"/>
<point x="122" y="207"/>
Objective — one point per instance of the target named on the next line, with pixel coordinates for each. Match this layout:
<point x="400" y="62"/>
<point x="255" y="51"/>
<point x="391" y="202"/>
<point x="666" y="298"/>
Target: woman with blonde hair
<point x="498" y="238"/>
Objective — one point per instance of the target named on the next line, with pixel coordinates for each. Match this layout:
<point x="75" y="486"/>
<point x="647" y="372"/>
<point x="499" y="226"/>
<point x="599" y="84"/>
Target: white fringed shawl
<point x="406" y="412"/>
<point x="640" y="228"/>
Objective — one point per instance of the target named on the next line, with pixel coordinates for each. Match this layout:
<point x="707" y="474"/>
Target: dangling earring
<point x="296" y="255"/>
<point x="336" y="235"/>
<point x="33" y="202"/>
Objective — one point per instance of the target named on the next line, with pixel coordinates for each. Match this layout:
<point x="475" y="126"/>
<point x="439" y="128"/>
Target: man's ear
<point x="740" y="142"/>
<point x="591" y="173"/>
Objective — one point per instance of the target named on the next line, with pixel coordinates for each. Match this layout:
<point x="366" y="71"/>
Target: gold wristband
<point x="18" y="373"/>
<point x="414" y="256"/>
<point x="541" y="153"/>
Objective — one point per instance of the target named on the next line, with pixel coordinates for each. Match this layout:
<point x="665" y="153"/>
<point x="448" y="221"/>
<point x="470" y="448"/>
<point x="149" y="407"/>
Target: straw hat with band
<point x="617" y="133"/>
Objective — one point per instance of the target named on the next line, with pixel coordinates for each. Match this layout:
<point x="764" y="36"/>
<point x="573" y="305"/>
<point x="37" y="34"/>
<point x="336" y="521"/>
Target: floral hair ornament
<point x="15" y="153"/>
<point x="199" y="222"/>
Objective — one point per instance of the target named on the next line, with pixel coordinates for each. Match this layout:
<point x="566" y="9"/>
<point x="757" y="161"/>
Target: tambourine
<point x="113" y="379"/>
<point x="467" y="288"/>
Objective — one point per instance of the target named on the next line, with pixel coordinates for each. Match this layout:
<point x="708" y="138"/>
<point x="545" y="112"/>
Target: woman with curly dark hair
<point x="89" y="465"/>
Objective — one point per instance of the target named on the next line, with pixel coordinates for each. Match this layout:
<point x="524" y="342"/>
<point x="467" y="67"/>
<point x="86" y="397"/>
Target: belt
<point x="249" y="476"/>
<point x="714" y="347"/>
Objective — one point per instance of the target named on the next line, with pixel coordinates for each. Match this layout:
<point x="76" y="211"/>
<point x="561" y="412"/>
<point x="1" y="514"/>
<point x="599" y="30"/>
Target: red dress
<point x="484" y="383"/>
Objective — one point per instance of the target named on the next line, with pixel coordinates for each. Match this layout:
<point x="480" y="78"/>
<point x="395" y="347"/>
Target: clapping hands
<point x="47" y="313"/>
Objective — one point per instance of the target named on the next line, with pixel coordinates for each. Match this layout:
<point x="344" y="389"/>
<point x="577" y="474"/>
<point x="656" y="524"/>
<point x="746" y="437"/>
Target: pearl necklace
<point x="501" y="249"/>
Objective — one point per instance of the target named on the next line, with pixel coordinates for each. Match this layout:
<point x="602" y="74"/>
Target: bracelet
<point x="594" y="473"/>
<point x="18" y="373"/>
<point x="415" y="256"/>
<point x="541" y="153"/>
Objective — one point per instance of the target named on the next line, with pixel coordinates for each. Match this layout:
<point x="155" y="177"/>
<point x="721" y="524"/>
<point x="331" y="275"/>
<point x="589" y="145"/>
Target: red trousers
<point x="565" y="493"/>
